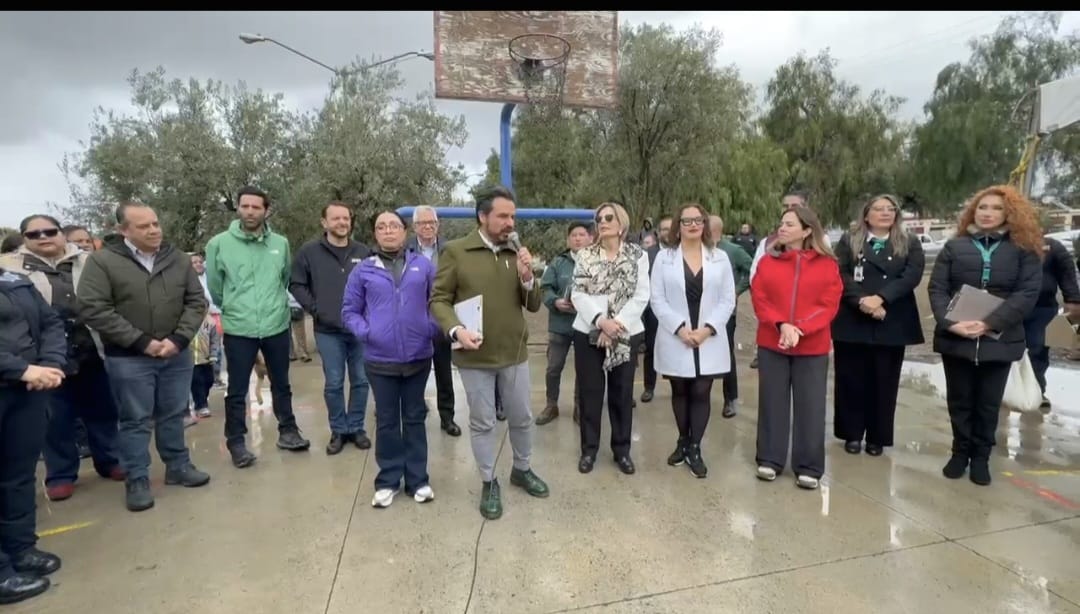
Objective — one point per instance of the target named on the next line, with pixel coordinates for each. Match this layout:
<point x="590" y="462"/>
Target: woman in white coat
<point x="693" y="295"/>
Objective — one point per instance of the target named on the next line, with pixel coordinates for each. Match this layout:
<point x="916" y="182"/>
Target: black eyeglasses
<point x="692" y="221"/>
<point x="36" y="235"/>
<point x="607" y="217"/>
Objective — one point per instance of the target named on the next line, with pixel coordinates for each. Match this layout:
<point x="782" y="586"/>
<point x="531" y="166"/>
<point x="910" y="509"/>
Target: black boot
<point x="679" y="455"/>
<point x="957" y="465"/>
<point x="980" y="466"/>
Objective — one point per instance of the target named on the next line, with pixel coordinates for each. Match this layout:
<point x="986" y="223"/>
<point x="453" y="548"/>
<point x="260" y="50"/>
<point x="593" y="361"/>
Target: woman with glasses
<point x="54" y="266"/>
<point x="881" y="265"/>
<point x="610" y="293"/>
<point x="386" y="307"/>
<point x="693" y="296"/>
<point x="796" y="294"/>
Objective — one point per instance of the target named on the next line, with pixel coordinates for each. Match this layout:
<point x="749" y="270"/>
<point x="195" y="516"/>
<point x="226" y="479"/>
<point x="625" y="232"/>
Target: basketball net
<point x="540" y="62"/>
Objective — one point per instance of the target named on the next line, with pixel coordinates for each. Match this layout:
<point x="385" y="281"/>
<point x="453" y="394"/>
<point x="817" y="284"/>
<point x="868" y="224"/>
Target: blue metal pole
<point x="506" y="169"/>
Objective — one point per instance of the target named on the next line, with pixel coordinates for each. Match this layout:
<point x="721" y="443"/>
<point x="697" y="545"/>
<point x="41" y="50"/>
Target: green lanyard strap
<point x="986" y="254"/>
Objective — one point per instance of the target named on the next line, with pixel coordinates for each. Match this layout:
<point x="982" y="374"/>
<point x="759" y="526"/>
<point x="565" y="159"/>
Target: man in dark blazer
<point x="425" y="240"/>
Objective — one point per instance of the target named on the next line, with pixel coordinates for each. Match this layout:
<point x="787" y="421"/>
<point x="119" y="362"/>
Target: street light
<point x="251" y="39"/>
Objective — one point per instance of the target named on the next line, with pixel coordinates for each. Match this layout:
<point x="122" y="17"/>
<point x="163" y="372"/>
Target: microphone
<point x="514" y="241"/>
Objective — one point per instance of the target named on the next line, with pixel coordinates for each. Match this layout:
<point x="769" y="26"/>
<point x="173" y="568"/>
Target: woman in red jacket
<point x="796" y="293"/>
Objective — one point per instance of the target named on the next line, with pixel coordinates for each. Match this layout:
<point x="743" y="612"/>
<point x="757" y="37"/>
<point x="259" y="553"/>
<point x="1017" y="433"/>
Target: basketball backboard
<point x="474" y="61"/>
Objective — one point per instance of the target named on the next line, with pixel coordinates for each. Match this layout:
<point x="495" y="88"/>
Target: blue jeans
<point x="341" y="351"/>
<point x="1035" y="332"/>
<point x="400" y="435"/>
<point x="86" y="395"/>
<point x="152" y="393"/>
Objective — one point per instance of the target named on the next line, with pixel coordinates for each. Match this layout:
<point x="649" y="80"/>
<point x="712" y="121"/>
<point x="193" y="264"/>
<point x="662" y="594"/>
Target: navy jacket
<point x="30" y="331"/>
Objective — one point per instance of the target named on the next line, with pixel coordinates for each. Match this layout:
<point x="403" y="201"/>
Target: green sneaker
<point x="530" y="482"/>
<point x="491" y="501"/>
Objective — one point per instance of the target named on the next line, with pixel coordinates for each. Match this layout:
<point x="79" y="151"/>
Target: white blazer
<point x="589" y="306"/>
<point x="671" y="356"/>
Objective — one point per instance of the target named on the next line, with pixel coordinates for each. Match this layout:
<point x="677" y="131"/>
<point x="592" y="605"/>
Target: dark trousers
<point x="1035" y="333"/>
<point x="86" y="395"/>
<point x="341" y="353"/>
<point x="619" y="385"/>
<point x="865" y="385"/>
<point x="691" y="402"/>
<point x="202" y="380"/>
<point x="240" y="360"/>
<point x="973" y="394"/>
<point x="400" y="434"/>
<point x="731" y="378"/>
<point x="557" y="350"/>
<point x="444" y="379"/>
<point x="651" y="326"/>
<point x="22" y="434"/>
<point x="152" y="395"/>
<point x="782" y="378"/>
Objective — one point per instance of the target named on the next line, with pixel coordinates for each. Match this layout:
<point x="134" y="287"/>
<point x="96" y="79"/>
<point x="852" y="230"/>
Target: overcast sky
<point x="60" y="66"/>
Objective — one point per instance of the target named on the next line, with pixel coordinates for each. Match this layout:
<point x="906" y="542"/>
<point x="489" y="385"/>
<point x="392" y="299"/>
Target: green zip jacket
<point x="740" y="265"/>
<point x="248" y="278"/>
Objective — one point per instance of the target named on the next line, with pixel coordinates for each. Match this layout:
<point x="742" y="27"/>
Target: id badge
<point x="858" y="274"/>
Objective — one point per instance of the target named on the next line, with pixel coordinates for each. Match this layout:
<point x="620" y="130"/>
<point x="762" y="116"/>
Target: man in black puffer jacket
<point x="1058" y="271"/>
<point x="33" y="354"/>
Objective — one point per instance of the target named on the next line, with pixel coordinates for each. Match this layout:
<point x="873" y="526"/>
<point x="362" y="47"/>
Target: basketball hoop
<point x="540" y="64"/>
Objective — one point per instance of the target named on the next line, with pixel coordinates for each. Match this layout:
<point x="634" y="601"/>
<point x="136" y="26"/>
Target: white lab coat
<point x="589" y="306"/>
<point x="671" y="356"/>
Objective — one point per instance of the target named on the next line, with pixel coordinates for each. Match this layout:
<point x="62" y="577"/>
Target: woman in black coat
<point x="33" y="353"/>
<point x="998" y="248"/>
<point x="881" y="265"/>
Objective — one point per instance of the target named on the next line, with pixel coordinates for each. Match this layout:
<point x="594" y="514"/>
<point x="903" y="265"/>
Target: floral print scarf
<point x="615" y="279"/>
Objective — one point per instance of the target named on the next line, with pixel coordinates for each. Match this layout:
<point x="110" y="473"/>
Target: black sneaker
<point x="138" y="495"/>
<point x="694" y="461"/>
<point x="187" y="476"/>
<point x="679" y="455"/>
<point x="361" y="440"/>
<point x="290" y="439"/>
<point x="241" y="456"/>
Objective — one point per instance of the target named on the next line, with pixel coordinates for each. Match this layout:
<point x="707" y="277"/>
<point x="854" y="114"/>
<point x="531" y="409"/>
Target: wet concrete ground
<point x="297" y="533"/>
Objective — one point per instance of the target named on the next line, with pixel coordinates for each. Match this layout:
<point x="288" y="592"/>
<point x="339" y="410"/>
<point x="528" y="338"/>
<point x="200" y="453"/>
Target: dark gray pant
<point x="780" y="378"/>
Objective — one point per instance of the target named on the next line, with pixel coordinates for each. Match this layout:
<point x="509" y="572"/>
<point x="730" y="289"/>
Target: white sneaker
<point x="203" y="413"/>
<point x="424" y="494"/>
<point x="807" y="482"/>
<point x="383" y="497"/>
<point x="766" y="473"/>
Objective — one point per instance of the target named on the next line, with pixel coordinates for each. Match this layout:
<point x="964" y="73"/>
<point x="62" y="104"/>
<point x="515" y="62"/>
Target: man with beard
<point x="247" y="270"/>
<point x="486" y="263"/>
<point x="319" y="274"/>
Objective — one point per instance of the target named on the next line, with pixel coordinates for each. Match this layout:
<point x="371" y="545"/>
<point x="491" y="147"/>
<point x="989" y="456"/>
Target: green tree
<point x="840" y="145"/>
<point x="975" y="132"/>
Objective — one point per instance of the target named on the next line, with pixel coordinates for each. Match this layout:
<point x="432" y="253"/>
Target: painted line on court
<point x="1045" y="493"/>
<point x="64" y="529"/>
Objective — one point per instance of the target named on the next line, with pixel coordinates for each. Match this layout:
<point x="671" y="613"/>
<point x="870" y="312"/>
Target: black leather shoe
<point x="361" y="441"/>
<point x="336" y="445"/>
<point x="35" y="562"/>
<point x="290" y="439"/>
<point x="585" y="465"/>
<point x="853" y="447"/>
<point x="873" y="449"/>
<point x="625" y="465"/>
<point x="451" y="429"/>
<point x="20" y="587"/>
<point x="646" y="396"/>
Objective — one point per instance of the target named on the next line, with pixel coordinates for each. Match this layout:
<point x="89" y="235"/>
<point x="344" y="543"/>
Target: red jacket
<point x="801" y="288"/>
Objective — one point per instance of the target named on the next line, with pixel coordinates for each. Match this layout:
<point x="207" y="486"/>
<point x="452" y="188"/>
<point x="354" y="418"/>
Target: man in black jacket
<point x="319" y="273"/>
<point x="426" y="240"/>
<point x="33" y="354"/>
<point x="649" y="319"/>
<point x="1058" y="270"/>
<point x="144" y="299"/>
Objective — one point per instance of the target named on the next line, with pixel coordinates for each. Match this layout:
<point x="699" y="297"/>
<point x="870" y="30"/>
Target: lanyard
<point x="986" y="254"/>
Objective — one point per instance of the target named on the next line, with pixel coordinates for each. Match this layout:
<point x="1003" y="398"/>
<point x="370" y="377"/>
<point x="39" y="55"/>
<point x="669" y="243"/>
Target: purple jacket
<point x="392" y="321"/>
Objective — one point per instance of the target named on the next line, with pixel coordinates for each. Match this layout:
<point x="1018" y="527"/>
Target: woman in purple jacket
<point x="386" y="307"/>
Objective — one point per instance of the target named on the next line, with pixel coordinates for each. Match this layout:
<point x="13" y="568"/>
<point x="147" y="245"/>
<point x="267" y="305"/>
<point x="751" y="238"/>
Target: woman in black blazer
<point x="881" y="265"/>
<point x="998" y="248"/>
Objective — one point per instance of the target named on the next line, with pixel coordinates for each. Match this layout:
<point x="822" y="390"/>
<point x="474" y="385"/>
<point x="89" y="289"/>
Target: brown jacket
<point x="468" y="267"/>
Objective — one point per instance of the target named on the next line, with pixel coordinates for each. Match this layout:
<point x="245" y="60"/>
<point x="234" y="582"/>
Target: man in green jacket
<point x="490" y="263"/>
<point x="741" y="263"/>
<point x="556" y="283"/>
<point x="144" y="299"/>
<point x="248" y="268"/>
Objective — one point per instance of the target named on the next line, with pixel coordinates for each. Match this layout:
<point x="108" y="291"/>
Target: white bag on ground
<point x="1022" y="391"/>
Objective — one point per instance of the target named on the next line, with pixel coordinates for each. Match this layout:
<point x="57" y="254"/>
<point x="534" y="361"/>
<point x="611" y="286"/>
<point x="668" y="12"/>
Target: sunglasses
<point x="692" y="221"/>
<point x="607" y="217"/>
<point x="37" y="235"/>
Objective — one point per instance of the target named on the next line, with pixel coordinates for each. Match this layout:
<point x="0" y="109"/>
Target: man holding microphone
<point x="491" y="263"/>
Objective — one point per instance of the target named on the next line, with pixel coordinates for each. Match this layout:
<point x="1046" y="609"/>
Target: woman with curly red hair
<point x="998" y="248"/>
